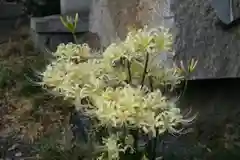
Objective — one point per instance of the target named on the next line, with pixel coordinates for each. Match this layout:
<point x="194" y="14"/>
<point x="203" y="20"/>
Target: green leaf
<point x="64" y="22"/>
<point x="192" y="65"/>
<point x="68" y="23"/>
<point x="75" y="21"/>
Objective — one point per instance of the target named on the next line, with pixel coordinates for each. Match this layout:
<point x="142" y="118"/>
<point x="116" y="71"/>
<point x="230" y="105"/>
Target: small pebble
<point x="18" y="154"/>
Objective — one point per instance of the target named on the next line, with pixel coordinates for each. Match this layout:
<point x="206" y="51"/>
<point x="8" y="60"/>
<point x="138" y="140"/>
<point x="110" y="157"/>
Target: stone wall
<point x="194" y="23"/>
<point x="199" y="36"/>
<point x="216" y="131"/>
<point x="111" y="18"/>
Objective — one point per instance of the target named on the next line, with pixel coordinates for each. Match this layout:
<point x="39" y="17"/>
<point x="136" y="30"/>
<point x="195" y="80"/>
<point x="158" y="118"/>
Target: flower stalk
<point x="145" y="70"/>
<point x="129" y="72"/>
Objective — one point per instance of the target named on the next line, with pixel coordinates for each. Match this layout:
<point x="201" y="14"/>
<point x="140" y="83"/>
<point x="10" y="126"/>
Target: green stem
<point x="151" y="83"/>
<point x="129" y="72"/>
<point x="185" y="88"/>
<point x="136" y="137"/>
<point x="154" y="147"/>
<point x="185" y="85"/>
<point x="135" y="134"/>
<point x="75" y="38"/>
<point x="145" y="70"/>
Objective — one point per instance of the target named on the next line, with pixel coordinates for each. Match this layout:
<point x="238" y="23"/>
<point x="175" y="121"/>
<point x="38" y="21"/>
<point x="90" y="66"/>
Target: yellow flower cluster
<point x="132" y="107"/>
<point x="123" y="85"/>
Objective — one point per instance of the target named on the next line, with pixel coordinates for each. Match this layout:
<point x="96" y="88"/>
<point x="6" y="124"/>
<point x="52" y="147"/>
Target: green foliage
<point x="121" y="90"/>
<point x="70" y="24"/>
<point x="5" y="76"/>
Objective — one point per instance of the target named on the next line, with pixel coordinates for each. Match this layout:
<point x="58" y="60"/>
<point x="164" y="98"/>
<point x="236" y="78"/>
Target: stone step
<point x="53" y="24"/>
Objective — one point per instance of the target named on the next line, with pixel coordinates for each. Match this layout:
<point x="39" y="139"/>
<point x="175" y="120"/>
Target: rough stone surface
<point x="101" y="23"/>
<point x="71" y="6"/>
<point x="198" y="36"/>
<point x="111" y="19"/>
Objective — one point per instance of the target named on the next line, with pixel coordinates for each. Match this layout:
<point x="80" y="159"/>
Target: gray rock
<point x="71" y="6"/>
<point x="198" y="36"/>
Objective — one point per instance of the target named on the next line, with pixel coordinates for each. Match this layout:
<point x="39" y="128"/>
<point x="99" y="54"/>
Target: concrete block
<point x="47" y="40"/>
<point x="51" y="40"/>
<point x="53" y="23"/>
